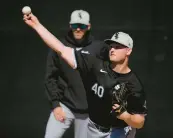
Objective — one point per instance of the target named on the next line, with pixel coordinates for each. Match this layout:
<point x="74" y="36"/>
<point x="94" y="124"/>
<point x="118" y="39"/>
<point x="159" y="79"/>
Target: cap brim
<point x="86" y="23"/>
<point x="109" y="41"/>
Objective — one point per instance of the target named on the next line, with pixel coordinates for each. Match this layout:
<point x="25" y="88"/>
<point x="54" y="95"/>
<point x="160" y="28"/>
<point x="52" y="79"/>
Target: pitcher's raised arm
<point x="65" y="52"/>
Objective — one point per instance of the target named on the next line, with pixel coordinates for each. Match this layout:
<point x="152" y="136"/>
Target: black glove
<point x="120" y="94"/>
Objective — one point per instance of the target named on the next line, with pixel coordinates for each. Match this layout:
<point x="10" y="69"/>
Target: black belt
<point x="101" y="128"/>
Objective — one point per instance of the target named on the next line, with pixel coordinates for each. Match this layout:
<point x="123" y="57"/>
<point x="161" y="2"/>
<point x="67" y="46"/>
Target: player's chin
<point x="78" y="36"/>
<point x="113" y="58"/>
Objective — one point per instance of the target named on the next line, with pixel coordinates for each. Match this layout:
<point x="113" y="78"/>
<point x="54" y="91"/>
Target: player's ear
<point x="89" y="26"/>
<point x="129" y="51"/>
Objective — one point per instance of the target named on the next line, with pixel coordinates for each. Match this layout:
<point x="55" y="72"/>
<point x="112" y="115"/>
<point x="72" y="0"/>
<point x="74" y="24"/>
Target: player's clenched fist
<point x="59" y="114"/>
<point x="31" y="20"/>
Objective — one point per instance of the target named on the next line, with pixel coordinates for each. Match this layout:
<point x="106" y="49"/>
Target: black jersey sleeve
<point x="84" y="60"/>
<point x="136" y="102"/>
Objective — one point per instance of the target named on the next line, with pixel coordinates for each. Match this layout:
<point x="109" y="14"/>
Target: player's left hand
<point x="123" y="116"/>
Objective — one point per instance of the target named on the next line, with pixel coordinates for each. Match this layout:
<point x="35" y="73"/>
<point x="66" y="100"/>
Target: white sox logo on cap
<point x="116" y="35"/>
<point x="80" y="16"/>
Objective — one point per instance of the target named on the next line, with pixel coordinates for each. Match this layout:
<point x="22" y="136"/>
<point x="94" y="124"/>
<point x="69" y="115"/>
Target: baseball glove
<point x="120" y="94"/>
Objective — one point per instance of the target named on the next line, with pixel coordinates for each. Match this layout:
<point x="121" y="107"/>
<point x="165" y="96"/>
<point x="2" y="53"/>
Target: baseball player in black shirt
<point x="102" y="80"/>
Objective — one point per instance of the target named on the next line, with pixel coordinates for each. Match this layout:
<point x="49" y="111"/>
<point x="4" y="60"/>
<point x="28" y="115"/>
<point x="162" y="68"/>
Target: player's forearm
<point x="135" y="121"/>
<point x="65" y="52"/>
<point x="49" y="39"/>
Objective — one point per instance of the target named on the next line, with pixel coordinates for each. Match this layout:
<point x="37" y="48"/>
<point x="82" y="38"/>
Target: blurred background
<point x="24" y="108"/>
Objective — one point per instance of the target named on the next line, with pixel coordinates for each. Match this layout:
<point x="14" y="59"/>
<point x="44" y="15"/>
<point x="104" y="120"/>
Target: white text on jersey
<point x="85" y="52"/>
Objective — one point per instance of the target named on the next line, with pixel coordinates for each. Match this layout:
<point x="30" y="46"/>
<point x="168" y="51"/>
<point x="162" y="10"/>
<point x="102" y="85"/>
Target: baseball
<point x="26" y="10"/>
